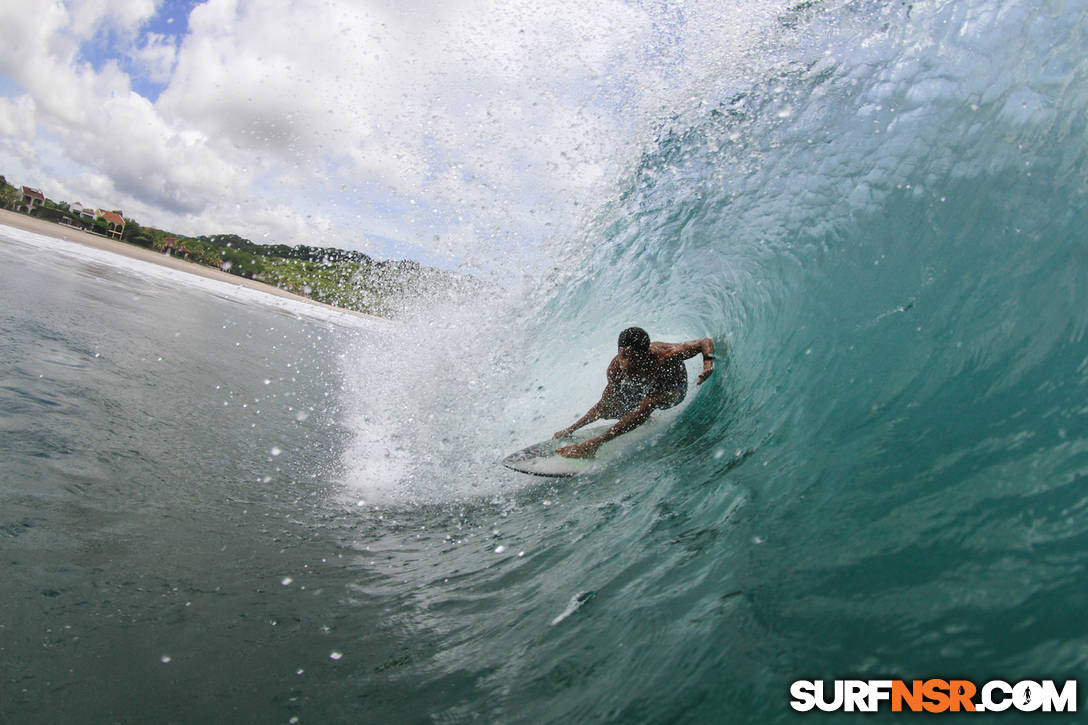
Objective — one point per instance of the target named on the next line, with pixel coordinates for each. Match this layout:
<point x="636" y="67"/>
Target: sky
<point x="463" y="133"/>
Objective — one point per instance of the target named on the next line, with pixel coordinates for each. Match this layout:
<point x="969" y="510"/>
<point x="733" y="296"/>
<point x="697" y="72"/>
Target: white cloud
<point x="473" y="106"/>
<point x="460" y="125"/>
<point x="17" y="117"/>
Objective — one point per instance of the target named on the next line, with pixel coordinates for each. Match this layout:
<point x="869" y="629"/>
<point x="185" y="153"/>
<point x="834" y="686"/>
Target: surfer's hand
<point x="708" y="368"/>
<point x="586" y="449"/>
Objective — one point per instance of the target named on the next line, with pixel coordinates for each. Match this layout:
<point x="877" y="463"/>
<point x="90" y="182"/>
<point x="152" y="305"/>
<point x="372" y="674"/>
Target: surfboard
<point x="540" y="459"/>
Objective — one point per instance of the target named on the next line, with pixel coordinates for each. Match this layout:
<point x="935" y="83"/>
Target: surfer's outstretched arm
<point x="632" y="420"/>
<point x="603" y="407"/>
<point x="629" y="422"/>
<point x="591" y="415"/>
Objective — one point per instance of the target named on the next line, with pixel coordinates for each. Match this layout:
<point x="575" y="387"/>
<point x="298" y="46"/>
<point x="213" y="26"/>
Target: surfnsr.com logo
<point x="934" y="696"/>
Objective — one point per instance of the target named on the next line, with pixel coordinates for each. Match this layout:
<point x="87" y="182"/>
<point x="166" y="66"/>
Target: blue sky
<point x="170" y="24"/>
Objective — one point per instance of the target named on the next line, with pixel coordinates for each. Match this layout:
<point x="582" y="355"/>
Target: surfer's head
<point x="635" y="339"/>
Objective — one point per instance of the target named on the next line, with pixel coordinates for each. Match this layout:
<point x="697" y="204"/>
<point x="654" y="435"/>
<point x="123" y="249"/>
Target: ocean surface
<point x="217" y="506"/>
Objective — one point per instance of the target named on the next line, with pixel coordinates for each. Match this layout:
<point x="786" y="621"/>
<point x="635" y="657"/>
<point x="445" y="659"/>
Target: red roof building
<point x="115" y="223"/>
<point x="31" y="199"/>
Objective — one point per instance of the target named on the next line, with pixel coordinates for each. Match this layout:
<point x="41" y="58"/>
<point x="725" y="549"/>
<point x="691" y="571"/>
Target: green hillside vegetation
<point x="337" y="277"/>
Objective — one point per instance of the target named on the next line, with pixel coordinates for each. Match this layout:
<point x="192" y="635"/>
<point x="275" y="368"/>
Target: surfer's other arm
<point x="692" y="348"/>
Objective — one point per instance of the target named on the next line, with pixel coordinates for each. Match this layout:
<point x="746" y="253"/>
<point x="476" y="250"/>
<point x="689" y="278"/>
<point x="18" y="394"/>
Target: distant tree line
<point x="9" y="195"/>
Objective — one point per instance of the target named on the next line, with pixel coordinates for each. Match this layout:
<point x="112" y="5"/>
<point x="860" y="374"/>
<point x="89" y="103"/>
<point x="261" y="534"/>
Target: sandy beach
<point x="58" y="231"/>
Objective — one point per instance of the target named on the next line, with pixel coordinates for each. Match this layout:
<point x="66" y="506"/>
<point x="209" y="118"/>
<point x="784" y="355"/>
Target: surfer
<point x="643" y="377"/>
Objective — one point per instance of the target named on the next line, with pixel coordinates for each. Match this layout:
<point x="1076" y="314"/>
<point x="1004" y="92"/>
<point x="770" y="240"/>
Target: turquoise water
<point x="882" y="221"/>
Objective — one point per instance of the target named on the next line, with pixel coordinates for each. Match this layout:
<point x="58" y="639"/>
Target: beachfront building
<point x="115" y="223"/>
<point x="30" y="199"/>
<point x="83" y="212"/>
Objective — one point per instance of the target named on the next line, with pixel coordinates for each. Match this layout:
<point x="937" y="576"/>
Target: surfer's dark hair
<point x="635" y="338"/>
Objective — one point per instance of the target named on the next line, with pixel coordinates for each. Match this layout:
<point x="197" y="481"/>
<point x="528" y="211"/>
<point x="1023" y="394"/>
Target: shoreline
<point x="59" y="231"/>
